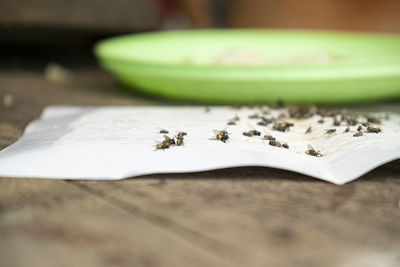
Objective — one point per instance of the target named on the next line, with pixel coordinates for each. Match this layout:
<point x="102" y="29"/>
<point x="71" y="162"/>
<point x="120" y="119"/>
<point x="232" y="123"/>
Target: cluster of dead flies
<point x="338" y="117"/>
<point x="178" y="140"/>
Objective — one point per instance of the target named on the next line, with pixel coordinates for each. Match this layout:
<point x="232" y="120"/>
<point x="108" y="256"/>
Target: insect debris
<point x="309" y="129"/>
<point x="163" y="131"/>
<point x="357" y="134"/>
<point x="312" y="152"/>
<point x="359" y="128"/>
<point x="347" y="129"/>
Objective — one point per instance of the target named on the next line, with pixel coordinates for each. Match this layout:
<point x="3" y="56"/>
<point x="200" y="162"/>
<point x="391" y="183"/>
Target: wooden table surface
<point x="232" y="217"/>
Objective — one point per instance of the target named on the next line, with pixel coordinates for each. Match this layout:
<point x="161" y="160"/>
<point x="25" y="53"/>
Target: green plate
<point x="257" y="66"/>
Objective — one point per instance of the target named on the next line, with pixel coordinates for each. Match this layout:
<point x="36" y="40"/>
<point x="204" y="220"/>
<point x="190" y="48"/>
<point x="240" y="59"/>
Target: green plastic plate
<point x="257" y="66"/>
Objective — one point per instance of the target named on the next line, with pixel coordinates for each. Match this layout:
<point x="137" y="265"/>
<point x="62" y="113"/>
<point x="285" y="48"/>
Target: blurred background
<point x="65" y="29"/>
<point x="56" y="36"/>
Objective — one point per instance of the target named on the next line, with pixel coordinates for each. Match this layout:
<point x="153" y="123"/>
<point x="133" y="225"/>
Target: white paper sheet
<point x="119" y="142"/>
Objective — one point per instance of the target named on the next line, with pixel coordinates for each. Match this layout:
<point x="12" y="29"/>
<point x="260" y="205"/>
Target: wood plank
<point x="271" y="214"/>
<point x="54" y="223"/>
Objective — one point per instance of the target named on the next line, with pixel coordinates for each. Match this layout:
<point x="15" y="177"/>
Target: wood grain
<point x="232" y="217"/>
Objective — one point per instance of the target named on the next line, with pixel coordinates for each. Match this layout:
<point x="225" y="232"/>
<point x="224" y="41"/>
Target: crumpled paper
<point x="120" y="142"/>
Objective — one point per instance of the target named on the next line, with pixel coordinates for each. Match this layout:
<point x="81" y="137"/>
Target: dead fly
<point x="321" y="120"/>
<point x="163" y="131"/>
<point x="251" y="133"/>
<point x="309" y="129"/>
<point x="231" y="122"/>
<point x="326" y="112"/>
<point x="347" y="129"/>
<point x="268" y="137"/>
<point x="285" y="145"/>
<point x="373" y="120"/>
<point x="222" y="136"/>
<point x="312" y="152"/>
<point x="365" y="124"/>
<point x="168" y="140"/>
<point x="282" y="126"/>
<point x="371" y="129"/>
<point x="352" y="121"/>
<point x="330" y="131"/>
<point x="254" y="116"/>
<point x="359" y="128"/>
<point x="162" y="145"/>
<point x="265" y="121"/>
<point x="357" y="134"/>
<point x="179" y="138"/>
<point x="302" y="112"/>
<point x="167" y="143"/>
<point x="275" y="143"/>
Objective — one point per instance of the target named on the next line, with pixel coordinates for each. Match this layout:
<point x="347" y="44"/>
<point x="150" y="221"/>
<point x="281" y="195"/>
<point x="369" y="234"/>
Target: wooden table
<point x="233" y="217"/>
